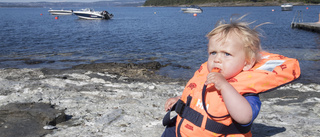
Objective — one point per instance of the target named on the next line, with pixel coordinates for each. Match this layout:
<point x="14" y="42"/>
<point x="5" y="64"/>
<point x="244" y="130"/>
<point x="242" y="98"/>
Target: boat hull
<point x="60" y="12"/>
<point x="93" y="15"/>
<point x="88" y="16"/>
<point x="286" y="7"/>
<point x="192" y="9"/>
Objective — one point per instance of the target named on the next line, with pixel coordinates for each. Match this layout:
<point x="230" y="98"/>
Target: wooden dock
<point x="314" y="27"/>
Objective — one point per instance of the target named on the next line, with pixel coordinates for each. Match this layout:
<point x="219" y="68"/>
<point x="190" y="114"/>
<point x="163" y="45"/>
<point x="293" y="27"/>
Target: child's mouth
<point x="215" y="69"/>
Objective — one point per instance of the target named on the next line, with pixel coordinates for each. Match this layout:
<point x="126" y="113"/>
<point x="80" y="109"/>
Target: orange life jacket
<point x="272" y="71"/>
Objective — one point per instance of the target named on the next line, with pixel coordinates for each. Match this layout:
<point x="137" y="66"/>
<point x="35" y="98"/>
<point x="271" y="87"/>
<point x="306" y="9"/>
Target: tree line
<point x="198" y="2"/>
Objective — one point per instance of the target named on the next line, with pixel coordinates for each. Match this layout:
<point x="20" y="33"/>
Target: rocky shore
<point x="117" y="100"/>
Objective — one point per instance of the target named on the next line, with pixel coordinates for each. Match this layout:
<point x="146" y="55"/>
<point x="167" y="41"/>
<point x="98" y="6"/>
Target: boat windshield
<point x="193" y="6"/>
<point x="88" y="9"/>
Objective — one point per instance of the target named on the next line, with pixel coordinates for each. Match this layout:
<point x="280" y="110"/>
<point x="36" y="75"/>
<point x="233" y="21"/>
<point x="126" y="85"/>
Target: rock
<point x="28" y="119"/>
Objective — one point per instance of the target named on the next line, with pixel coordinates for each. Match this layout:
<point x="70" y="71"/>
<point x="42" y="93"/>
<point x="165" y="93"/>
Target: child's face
<point x="227" y="54"/>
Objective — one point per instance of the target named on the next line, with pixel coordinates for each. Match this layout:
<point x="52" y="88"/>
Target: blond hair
<point x="250" y="37"/>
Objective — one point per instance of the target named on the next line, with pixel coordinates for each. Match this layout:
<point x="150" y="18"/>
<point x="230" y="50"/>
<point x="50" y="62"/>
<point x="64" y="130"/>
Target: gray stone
<point x="28" y="119"/>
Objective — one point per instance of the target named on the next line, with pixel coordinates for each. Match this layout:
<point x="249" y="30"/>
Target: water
<point x="144" y="34"/>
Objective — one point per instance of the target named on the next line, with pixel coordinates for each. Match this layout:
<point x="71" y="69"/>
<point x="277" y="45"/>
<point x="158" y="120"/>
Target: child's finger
<point x="215" y="69"/>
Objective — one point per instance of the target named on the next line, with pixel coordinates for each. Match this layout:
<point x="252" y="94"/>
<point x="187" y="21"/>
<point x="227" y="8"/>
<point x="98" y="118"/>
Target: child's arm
<point x="238" y="107"/>
<point x="170" y="102"/>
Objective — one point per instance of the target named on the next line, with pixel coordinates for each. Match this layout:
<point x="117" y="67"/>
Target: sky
<point x="52" y="0"/>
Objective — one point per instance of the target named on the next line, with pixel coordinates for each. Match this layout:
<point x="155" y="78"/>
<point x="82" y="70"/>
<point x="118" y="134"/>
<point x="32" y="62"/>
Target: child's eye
<point x="227" y="54"/>
<point x="213" y="53"/>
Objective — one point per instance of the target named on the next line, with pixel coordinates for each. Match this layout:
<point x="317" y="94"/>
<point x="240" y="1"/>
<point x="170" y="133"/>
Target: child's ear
<point x="248" y="65"/>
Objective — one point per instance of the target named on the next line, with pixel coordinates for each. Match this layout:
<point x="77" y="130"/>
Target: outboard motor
<point x="104" y="14"/>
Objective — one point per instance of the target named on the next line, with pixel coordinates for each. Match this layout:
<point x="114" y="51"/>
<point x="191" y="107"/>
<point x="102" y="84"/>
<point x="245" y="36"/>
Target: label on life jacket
<point x="271" y="64"/>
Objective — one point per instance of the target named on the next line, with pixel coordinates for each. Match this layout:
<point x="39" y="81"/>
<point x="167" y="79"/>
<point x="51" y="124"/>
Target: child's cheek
<point x="209" y="67"/>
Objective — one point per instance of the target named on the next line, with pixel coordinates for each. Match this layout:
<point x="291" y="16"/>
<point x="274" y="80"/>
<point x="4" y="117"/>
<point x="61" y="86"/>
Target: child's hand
<point x="170" y="102"/>
<point x="217" y="79"/>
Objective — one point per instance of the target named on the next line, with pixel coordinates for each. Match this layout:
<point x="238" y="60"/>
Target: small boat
<point x="286" y="7"/>
<point x="192" y="9"/>
<point x="91" y="14"/>
<point x="60" y="12"/>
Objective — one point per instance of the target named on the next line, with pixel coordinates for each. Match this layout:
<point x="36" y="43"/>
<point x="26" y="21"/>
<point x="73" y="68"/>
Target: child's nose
<point x="217" y="58"/>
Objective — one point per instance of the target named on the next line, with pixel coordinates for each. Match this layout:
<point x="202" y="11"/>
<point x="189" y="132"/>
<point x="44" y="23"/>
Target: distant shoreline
<point x="92" y="4"/>
<point x="240" y="4"/>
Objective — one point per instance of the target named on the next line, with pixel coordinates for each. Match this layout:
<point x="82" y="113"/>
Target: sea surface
<point x="32" y="38"/>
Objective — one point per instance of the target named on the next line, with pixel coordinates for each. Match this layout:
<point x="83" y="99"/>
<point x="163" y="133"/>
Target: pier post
<point x="319" y="18"/>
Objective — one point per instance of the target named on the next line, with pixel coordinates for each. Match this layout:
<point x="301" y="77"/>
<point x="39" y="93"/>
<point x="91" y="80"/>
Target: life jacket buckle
<point x="180" y="107"/>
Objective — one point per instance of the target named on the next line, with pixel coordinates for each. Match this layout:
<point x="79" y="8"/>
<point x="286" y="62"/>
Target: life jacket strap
<point x="166" y="121"/>
<point x="196" y="118"/>
<point x="178" y="107"/>
<point x="204" y="104"/>
<point x="233" y="128"/>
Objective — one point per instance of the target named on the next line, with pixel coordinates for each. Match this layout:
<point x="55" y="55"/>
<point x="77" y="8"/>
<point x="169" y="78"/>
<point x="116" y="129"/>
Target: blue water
<point x="144" y="34"/>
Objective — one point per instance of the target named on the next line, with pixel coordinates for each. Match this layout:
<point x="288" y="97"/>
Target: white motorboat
<point x="91" y="14"/>
<point x="286" y="7"/>
<point x="60" y="12"/>
<point x="192" y="9"/>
